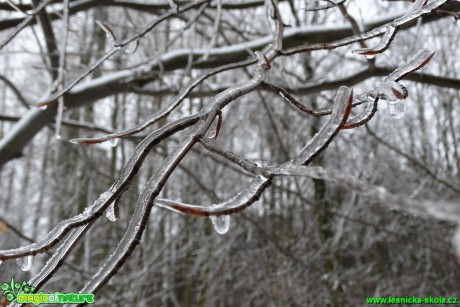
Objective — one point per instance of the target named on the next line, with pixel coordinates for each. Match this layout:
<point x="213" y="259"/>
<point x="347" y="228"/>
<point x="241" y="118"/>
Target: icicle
<point x="114" y="142"/>
<point x="112" y="213"/>
<point x="25" y="263"/>
<point x="1" y="263"/>
<point x="44" y="107"/>
<point x="456" y="243"/>
<point x="212" y="132"/>
<point x="59" y="115"/>
<point x="262" y="65"/>
<point x="396" y="108"/>
<point x="221" y="223"/>
<point x="370" y="56"/>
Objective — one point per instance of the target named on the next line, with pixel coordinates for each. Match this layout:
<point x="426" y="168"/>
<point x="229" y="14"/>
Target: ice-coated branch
<point x="88" y="92"/>
<point x="446" y="211"/>
<point x="263" y="179"/>
<point x="173" y="104"/>
<point x="236" y="204"/>
<point x="156" y="183"/>
<point x="388" y="37"/>
<point x="100" y="205"/>
<point x="396" y="23"/>
<point x="287" y="96"/>
<point x="25" y="22"/>
<point x="330" y="4"/>
<point x="116" y="48"/>
<point x="391" y="30"/>
<point x="342" y="107"/>
<point x="245" y="164"/>
<point x="59" y="256"/>
<point x="364" y="116"/>
<point x="419" y="60"/>
<point x="136" y="5"/>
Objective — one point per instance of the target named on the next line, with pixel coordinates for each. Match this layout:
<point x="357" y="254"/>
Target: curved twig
<point x="398" y="22"/>
<point x="29" y="19"/>
<point x="100" y="205"/>
<point x="174" y="103"/>
<point x="363" y="117"/>
<point x="343" y="102"/>
<point x="117" y="47"/>
<point x="153" y="187"/>
<point x="236" y="204"/>
<point x="447" y="211"/>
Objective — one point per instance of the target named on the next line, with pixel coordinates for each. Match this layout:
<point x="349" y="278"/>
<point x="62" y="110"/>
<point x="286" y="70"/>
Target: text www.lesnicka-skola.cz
<point x="412" y="300"/>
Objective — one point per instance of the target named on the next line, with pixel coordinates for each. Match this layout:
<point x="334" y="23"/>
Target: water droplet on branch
<point x="24" y="263"/>
<point x="112" y="212"/>
<point x="370" y="56"/>
<point x="212" y="131"/>
<point x="114" y="142"/>
<point x="221" y="223"/>
<point x="396" y="108"/>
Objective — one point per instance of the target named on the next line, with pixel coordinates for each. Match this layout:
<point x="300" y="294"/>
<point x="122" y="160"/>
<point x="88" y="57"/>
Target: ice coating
<point x="340" y="112"/>
<point x="382" y="46"/>
<point x="60" y="230"/>
<point x="237" y="203"/>
<point x="364" y="116"/>
<point x="447" y="211"/>
<point x="391" y="90"/>
<point x="396" y="108"/>
<point x="114" y="142"/>
<point x="173" y="104"/>
<point x="456" y="241"/>
<point x="417" y="61"/>
<point x="221" y="223"/>
<point x="212" y="132"/>
<point x="112" y="212"/>
<point x="25" y="263"/>
<point x="141" y="213"/>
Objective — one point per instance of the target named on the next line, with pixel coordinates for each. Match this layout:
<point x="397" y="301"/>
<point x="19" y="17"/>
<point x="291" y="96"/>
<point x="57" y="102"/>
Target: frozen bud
<point x="392" y="91"/>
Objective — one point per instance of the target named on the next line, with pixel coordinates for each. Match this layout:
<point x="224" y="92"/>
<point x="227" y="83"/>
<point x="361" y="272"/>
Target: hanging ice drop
<point x="370" y="56"/>
<point x="396" y="108"/>
<point x="25" y="263"/>
<point x="111" y="214"/>
<point x="114" y="142"/>
<point x="212" y="131"/>
<point x="221" y="223"/>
